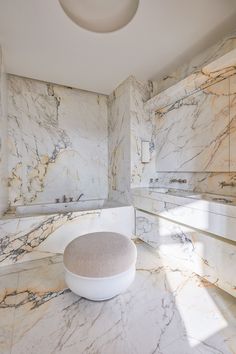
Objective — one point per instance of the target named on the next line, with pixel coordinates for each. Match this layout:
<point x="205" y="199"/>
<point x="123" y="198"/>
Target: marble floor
<point x="167" y="310"/>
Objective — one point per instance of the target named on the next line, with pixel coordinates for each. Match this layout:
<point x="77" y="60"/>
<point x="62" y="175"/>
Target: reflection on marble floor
<point x="166" y="310"/>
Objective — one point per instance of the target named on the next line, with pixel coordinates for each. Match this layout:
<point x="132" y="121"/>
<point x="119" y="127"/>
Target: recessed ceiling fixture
<point x="100" y="15"/>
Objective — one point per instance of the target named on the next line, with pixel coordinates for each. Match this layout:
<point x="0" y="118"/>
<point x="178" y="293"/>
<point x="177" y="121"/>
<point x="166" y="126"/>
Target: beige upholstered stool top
<point x="100" y="254"/>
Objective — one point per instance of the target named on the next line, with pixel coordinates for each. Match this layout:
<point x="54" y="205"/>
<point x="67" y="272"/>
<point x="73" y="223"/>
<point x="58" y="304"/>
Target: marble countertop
<point x="213" y="203"/>
<point x="205" y="212"/>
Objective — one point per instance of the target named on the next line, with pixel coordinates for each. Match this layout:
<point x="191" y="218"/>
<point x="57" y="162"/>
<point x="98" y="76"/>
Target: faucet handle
<point x="221" y="184"/>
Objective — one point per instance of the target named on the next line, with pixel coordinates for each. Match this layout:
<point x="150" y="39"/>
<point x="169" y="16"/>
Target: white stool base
<point x="99" y="289"/>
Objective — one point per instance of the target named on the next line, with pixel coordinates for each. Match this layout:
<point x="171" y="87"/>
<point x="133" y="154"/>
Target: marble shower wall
<point x="3" y="140"/>
<point x="58" y="142"/>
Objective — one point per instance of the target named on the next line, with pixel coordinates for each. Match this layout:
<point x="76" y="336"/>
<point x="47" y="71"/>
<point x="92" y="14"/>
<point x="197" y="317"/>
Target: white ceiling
<point x="41" y="42"/>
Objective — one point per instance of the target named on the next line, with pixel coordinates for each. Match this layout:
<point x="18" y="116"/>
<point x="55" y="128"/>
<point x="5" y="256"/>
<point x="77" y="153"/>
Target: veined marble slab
<point x="33" y="237"/>
<point x="203" y="215"/>
<point x="142" y="127"/>
<point x="232" y="83"/>
<point x="3" y="139"/>
<point x="211" y="258"/>
<point x="195" y="66"/>
<point x="58" y="142"/>
<point x="220" y="183"/>
<point x="166" y="310"/>
<point x="193" y="134"/>
<point x="119" y="143"/>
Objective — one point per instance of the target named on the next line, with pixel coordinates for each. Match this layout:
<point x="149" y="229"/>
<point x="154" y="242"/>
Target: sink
<point x="159" y="190"/>
<point x="214" y="198"/>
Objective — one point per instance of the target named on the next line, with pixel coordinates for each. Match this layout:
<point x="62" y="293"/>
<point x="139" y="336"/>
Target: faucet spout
<point x="227" y="184"/>
<point x="80" y="196"/>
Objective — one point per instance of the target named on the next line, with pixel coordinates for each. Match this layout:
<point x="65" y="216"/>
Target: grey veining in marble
<point x="31" y="237"/>
<point x="195" y="65"/>
<point x="192" y="135"/>
<point x="3" y="139"/>
<point x="166" y="310"/>
<point x="213" y="259"/>
<point x="57" y="142"/>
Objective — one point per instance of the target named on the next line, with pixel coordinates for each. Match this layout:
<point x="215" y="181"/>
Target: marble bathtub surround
<point x="57" y="142"/>
<point x="26" y="238"/>
<point x="3" y="139"/>
<point x="166" y="310"/>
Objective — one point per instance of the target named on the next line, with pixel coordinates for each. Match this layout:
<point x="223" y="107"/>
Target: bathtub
<point x="51" y="208"/>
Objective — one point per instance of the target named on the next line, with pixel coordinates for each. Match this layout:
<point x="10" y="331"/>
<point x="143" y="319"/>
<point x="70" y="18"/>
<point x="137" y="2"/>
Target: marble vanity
<point x="195" y="230"/>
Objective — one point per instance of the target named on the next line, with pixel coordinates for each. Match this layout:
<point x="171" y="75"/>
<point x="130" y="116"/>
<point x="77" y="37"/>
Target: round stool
<point x="100" y="265"/>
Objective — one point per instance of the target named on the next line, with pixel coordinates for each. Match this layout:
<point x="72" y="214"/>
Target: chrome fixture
<point x="175" y="180"/>
<point x="64" y="199"/>
<point x="157" y="179"/>
<point x="100" y="15"/>
<point x="151" y="180"/>
<point x="227" y="184"/>
<point x="57" y="200"/>
<point x="71" y="199"/>
<point x="80" y="196"/>
<point x="223" y="200"/>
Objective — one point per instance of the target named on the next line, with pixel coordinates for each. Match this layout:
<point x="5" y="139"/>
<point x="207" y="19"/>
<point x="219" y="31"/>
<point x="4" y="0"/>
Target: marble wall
<point x="192" y="135"/>
<point x="193" y="125"/>
<point x="58" y="142"/>
<point x="129" y="125"/>
<point x="195" y="149"/>
<point x="3" y="139"/>
<point x="195" y="65"/>
<point x="141" y="129"/>
<point x="119" y="143"/>
<point x="194" y="140"/>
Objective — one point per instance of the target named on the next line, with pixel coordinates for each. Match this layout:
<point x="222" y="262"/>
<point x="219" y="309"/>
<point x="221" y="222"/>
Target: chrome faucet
<point x="225" y="184"/>
<point x="80" y="196"/>
<point x="64" y="199"/>
<point x="175" y="180"/>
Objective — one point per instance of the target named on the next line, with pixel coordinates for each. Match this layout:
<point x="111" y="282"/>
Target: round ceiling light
<point x="100" y="15"/>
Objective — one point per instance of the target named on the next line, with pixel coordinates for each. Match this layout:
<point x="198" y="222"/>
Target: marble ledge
<point x="214" y="72"/>
<point x="35" y="237"/>
<point x="224" y="46"/>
